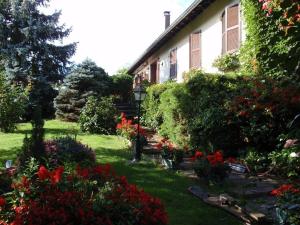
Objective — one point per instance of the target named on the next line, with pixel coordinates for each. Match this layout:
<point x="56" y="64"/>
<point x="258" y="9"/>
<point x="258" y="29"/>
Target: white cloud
<point x="115" y="33"/>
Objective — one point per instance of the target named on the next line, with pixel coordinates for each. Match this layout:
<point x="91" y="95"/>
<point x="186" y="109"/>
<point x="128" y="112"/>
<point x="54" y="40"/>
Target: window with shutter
<point x="173" y="64"/>
<point x="230" y="29"/>
<point x="195" y="51"/>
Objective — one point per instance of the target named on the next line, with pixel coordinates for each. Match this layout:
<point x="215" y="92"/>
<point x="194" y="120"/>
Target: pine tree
<point x="30" y="51"/>
<point x="86" y="80"/>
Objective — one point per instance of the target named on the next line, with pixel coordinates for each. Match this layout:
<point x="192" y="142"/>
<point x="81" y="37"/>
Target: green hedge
<point x="223" y="112"/>
<point x="174" y="107"/>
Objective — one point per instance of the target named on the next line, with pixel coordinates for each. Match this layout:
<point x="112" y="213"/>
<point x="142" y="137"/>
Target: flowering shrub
<point x="127" y="129"/>
<point x="288" y="202"/>
<point x="263" y="110"/>
<point x="286" y="162"/>
<point x="288" y="9"/>
<point x="212" y="167"/>
<point x="227" y="63"/>
<point x="92" y="195"/>
<point x="66" y="149"/>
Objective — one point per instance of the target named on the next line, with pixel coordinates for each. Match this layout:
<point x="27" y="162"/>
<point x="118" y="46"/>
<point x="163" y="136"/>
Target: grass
<point x="170" y="187"/>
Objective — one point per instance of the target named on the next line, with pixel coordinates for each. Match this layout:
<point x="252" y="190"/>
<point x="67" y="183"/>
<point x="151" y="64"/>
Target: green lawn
<point x="182" y="208"/>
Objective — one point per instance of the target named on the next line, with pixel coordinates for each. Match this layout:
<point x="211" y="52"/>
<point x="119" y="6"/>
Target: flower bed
<point x="93" y="195"/>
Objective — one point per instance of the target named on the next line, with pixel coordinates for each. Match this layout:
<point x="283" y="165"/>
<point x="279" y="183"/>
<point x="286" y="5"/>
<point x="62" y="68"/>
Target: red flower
<point x="284" y="189"/>
<point x="56" y="175"/>
<point x="2" y="201"/>
<point x="198" y="154"/>
<point x="43" y="173"/>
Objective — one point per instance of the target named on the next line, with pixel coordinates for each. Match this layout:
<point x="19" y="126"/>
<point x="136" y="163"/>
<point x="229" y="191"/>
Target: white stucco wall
<point x="210" y="25"/>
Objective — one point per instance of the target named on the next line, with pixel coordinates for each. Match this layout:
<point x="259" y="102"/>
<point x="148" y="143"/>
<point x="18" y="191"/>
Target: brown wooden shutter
<point x="233" y="28"/>
<point x="173" y="63"/>
<point x="195" y="51"/>
<point x="223" y="33"/>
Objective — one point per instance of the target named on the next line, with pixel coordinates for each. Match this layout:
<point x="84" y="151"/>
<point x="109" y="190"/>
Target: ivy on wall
<point x="269" y="49"/>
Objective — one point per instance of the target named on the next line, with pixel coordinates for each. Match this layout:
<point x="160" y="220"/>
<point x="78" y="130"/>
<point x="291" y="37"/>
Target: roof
<point x="196" y="8"/>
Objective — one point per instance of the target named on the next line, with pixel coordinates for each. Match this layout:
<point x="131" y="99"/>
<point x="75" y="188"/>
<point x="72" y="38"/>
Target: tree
<point x="29" y="48"/>
<point x="122" y="85"/>
<point x="87" y="79"/>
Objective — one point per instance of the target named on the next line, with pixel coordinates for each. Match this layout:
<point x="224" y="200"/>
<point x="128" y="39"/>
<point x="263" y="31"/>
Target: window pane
<point x="233" y="39"/>
<point x="232" y="16"/>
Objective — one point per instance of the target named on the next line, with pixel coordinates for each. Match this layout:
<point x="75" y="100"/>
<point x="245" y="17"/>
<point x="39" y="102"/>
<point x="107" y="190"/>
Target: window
<point x="231" y="29"/>
<point x="195" y="51"/>
<point x="173" y="64"/>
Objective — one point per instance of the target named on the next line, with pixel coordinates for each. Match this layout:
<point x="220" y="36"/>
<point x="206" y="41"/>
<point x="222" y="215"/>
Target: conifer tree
<point x="28" y="44"/>
<point x="87" y="79"/>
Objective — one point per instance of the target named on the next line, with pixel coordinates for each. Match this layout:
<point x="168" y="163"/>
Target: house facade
<point x="205" y="31"/>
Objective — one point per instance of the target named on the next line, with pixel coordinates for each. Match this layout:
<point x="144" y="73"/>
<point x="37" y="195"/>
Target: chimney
<point x="167" y="19"/>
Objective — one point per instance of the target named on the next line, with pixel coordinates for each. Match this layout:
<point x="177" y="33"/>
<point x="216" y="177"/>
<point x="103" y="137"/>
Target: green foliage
<point x="65" y="150"/>
<point x="208" y="124"/>
<point x="30" y="55"/>
<point x="12" y="105"/>
<point x="228" y="62"/>
<point x="263" y="109"/>
<point x="33" y="146"/>
<point x="174" y="105"/>
<point x="286" y="162"/>
<point x="152" y="116"/>
<point x="256" y="161"/>
<point x="98" y="116"/>
<point x="268" y="49"/>
<point x="122" y="86"/>
<point x="28" y="41"/>
<point x="87" y="79"/>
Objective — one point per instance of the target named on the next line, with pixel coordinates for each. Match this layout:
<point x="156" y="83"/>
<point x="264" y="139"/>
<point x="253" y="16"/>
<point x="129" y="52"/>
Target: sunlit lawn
<point x="182" y="208"/>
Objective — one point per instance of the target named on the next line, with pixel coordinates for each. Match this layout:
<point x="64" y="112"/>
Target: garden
<point x="66" y="145"/>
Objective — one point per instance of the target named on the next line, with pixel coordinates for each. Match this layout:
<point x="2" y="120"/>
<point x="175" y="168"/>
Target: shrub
<point x="122" y="86"/>
<point x="211" y="167"/>
<point x="286" y="162"/>
<point x="12" y="105"/>
<point x="208" y="122"/>
<point x="152" y="116"/>
<point x="67" y="150"/>
<point x="83" y="196"/>
<point x="288" y="204"/>
<point x="263" y="110"/>
<point x="127" y="129"/>
<point x="98" y="116"/>
<point x="174" y="105"/>
<point x="227" y="63"/>
<point x="86" y="80"/>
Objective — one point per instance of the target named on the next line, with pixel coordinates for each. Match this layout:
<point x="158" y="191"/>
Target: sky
<point x="115" y="33"/>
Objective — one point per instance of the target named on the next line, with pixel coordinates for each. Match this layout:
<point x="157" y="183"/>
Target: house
<point x="206" y="30"/>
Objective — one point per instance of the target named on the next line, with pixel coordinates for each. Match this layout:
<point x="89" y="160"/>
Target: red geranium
<point x="2" y="201"/>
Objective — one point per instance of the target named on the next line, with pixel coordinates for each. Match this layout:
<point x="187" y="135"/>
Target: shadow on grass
<point x="57" y="131"/>
<point x="167" y="185"/>
<point x="7" y="154"/>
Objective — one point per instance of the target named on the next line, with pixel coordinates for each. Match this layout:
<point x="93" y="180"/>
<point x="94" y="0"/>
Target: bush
<point x="98" y="116"/>
<point x="86" y="80"/>
<point x="83" y="196"/>
<point x="211" y="167"/>
<point x="208" y="121"/>
<point x="286" y="163"/>
<point x="227" y="63"/>
<point x="263" y="110"/>
<point x="122" y="87"/>
<point x="12" y="105"/>
<point x="67" y="150"/>
<point x="174" y="105"/>
<point x="152" y="116"/>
